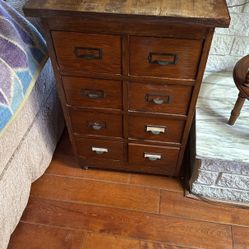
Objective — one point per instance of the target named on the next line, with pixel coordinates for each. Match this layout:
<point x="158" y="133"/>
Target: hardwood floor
<point x="70" y="208"/>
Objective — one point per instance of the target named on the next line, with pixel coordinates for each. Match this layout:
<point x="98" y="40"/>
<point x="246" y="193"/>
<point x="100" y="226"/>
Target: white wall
<point x="230" y="45"/>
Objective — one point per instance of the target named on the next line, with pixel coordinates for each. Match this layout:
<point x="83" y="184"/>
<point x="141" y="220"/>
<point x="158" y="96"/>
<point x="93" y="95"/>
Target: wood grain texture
<point x="169" y="156"/>
<point x="119" y="25"/>
<point x="95" y="192"/>
<point x="103" y="241"/>
<point x="179" y="97"/>
<point x="131" y="224"/>
<point x="176" y="204"/>
<point x="207" y="12"/>
<point x="137" y="128"/>
<point x="31" y="236"/>
<point x="112" y="92"/>
<point x="240" y="237"/>
<point x="99" y="124"/>
<point x="108" y="51"/>
<point x="185" y="64"/>
<point x="166" y="183"/>
<point x="114" y="150"/>
<point x="64" y="164"/>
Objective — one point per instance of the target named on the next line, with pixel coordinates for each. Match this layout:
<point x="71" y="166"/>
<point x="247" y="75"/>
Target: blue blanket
<point x="23" y="54"/>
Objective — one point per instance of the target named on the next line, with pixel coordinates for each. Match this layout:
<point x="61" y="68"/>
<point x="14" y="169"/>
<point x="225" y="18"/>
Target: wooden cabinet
<point x="128" y="76"/>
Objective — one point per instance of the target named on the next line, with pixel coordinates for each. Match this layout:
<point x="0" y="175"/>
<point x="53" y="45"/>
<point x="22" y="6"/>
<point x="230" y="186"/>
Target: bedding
<point x="23" y="54"/>
<point x="29" y="143"/>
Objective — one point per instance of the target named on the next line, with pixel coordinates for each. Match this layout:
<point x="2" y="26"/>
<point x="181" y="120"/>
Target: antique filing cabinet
<point x="128" y="76"/>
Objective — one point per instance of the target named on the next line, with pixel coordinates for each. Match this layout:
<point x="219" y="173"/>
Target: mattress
<point x="11" y="138"/>
<point x="27" y="147"/>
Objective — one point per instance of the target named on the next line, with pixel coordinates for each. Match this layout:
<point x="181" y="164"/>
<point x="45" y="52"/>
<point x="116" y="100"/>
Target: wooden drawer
<point x="88" y="53"/>
<point x="100" y="149"/>
<point x="153" y="155"/>
<point x="95" y="123"/>
<point x="159" y="129"/>
<point x="159" y="98"/>
<point x="164" y="57"/>
<point x="87" y="92"/>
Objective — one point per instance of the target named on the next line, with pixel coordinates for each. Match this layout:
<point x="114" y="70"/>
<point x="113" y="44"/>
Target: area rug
<point x="220" y="155"/>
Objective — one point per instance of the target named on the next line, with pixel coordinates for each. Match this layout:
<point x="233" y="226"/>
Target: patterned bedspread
<point x="23" y="54"/>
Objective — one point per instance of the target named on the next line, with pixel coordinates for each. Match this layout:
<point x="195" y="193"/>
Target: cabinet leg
<point x="84" y="167"/>
<point x="236" y="110"/>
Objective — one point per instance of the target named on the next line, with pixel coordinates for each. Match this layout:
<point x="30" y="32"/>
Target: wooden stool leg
<point x="236" y="110"/>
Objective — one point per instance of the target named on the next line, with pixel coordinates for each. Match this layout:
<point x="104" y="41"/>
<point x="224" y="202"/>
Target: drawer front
<point x="89" y="53"/>
<point x="87" y="92"/>
<point x="100" y="149"/>
<point x="93" y="123"/>
<point x="164" y="57"/>
<point x="153" y="155"/>
<point x="158" y="129"/>
<point x="159" y="98"/>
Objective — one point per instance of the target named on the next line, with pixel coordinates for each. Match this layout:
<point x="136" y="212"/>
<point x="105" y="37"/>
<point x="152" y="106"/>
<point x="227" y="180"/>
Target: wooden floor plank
<point x="127" y="223"/>
<point x="240" y="237"/>
<point x="176" y="204"/>
<point x="160" y="182"/>
<point x="29" y="236"/>
<point x="101" y="241"/>
<point x="97" y="192"/>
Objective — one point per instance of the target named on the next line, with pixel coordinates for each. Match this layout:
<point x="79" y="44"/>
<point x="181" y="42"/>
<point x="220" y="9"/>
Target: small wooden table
<point x="128" y="76"/>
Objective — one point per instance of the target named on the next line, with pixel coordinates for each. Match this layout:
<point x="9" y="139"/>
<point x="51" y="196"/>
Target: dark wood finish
<point x="106" y="53"/>
<point x="202" y="65"/>
<point x="158" y="129"/>
<point x="144" y="26"/>
<point x="163" y="57"/>
<point x="64" y="164"/>
<point x="203" y="12"/>
<point x="111" y="150"/>
<point x="236" y="110"/>
<point x="241" y="79"/>
<point x="88" y="52"/>
<point x="147" y="97"/>
<point x="99" y="124"/>
<point x="75" y="87"/>
<point x="166" y="163"/>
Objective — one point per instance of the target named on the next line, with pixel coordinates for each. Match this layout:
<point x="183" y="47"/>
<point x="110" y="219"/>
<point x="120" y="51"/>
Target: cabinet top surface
<point x="206" y="12"/>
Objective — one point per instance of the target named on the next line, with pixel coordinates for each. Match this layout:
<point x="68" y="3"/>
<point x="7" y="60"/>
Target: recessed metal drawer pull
<point x="99" y="151"/>
<point x="152" y="157"/>
<point x="158" y="99"/>
<point x="163" y="59"/>
<point x="97" y="126"/>
<point x="88" y="53"/>
<point x="155" y="130"/>
<point x="92" y="93"/>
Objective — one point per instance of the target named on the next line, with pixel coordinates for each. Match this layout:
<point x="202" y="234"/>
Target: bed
<point x="31" y="120"/>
